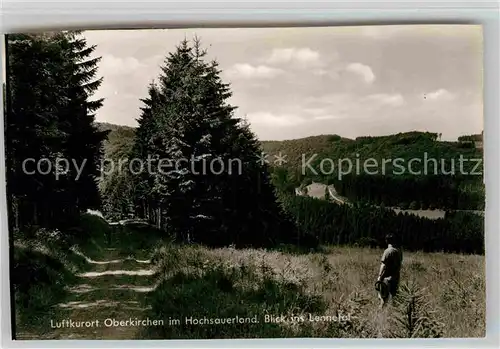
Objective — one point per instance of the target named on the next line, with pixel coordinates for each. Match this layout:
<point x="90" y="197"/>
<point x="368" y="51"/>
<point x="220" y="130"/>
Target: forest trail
<point x="113" y="288"/>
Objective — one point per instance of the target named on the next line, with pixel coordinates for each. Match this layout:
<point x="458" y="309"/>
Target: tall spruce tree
<point x="47" y="108"/>
<point x="212" y="189"/>
<point x="143" y="198"/>
<point x="35" y="94"/>
<point x="84" y="144"/>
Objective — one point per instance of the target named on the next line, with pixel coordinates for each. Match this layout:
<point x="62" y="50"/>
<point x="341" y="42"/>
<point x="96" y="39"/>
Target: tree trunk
<point x="158" y="218"/>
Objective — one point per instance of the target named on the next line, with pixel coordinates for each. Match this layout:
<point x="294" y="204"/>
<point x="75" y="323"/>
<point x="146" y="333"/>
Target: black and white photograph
<point x="231" y="183"/>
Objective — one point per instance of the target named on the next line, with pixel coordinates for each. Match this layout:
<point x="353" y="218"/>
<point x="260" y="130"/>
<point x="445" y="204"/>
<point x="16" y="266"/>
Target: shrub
<point x="213" y="289"/>
<point x="414" y="317"/>
<point x="39" y="281"/>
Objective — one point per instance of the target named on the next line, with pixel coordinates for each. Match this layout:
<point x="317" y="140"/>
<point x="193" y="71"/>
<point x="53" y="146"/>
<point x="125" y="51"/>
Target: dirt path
<point x="112" y="290"/>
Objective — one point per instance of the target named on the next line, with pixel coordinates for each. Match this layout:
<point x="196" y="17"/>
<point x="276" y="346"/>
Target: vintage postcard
<point x="246" y="183"/>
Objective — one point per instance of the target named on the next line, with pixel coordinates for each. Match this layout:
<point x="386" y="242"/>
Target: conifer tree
<point x="35" y="95"/>
<point x="84" y="144"/>
<point x="142" y="148"/>
<point x="189" y="122"/>
<point x="48" y="116"/>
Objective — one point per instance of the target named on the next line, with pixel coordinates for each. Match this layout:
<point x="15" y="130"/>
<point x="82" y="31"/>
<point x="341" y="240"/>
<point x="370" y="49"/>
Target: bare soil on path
<point x="111" y="291"/>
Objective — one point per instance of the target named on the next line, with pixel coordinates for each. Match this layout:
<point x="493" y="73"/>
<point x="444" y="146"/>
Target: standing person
<point x="388" y="278"/>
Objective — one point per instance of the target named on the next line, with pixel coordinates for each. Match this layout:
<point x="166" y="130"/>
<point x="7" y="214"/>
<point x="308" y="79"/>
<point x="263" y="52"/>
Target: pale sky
<point x="298" y="82"/>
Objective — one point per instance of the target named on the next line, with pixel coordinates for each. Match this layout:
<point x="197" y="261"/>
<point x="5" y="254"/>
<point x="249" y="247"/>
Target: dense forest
<point x="461" y="191"/>
<point x="365" y="225"/>
<point x="186" y="115"/>
<point x="50" y="117"/>
<point x="419" y="170"/>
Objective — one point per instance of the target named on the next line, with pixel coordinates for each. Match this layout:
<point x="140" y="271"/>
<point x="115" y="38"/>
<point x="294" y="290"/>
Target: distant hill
<point x="293" y="149"/>
<point x="120" y="140"/>
<point x="405" y="191"/>
<point x="405" y="146"/>
<point x="474" y="138"/>
<point x="105" y="126"/>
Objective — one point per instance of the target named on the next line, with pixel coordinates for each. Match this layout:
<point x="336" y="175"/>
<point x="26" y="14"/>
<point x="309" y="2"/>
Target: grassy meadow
<point x="136" y="274"/>
<point x="441" y="295"/>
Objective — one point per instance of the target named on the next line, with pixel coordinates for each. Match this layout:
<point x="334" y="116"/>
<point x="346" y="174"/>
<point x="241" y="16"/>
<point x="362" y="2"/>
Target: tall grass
<point x="441" y="295"/>
<point x="45" y="266"/>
